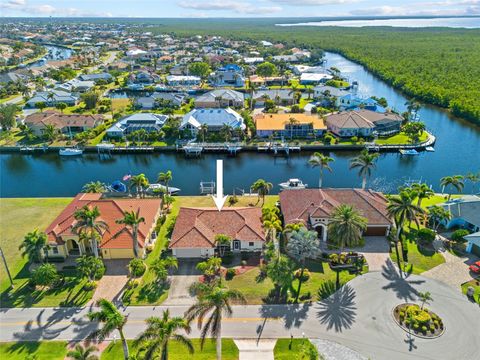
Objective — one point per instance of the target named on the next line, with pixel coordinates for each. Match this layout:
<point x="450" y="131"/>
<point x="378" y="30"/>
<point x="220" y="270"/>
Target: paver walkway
<point x="251" y="349"/>
<point x="454" y="271"/>
<point x="111" y="285"/>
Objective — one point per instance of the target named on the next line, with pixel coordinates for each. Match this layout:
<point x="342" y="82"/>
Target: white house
<point x="214" y="119"/>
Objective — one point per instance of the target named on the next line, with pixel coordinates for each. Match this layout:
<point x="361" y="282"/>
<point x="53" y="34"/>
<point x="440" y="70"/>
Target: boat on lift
<point x="152" y="188"/>
<point x="293" y="184"/>
<point x="70" y="152"/>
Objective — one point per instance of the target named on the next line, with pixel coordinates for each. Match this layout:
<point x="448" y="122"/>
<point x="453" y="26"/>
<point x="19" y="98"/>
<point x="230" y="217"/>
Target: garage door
<point x="476" y="249"/>
<point x="376" y="231"/>
<point x="187" y="252"/>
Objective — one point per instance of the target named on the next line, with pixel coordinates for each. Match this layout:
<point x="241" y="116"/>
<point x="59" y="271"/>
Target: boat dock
<point x="196" y="149"/>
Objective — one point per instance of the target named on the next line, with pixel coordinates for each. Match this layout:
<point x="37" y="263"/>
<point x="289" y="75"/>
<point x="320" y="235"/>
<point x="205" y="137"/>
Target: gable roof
<point x="60" y="120"/>
<point x="118" y="236"/>
<point x="299" y="205"/>
<point x="348" y="120"/>
<point x="213" y="117"/>
<point x="197" y="227"/>
<point x="225" y="94"/>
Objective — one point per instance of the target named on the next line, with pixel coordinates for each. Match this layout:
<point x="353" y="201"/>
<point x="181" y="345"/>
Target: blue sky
<point x="236" y="8"/>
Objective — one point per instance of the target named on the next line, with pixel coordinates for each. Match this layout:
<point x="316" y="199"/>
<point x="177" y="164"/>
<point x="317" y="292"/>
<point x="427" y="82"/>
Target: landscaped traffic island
<point x="418" y="320"/>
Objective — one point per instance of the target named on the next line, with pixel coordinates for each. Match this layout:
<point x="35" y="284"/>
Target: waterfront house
<point x="149" y="102"/>
<point x="76" y="85"/>
<point x="220" y="98"/>
<point x="355" y="102"/>
<point x="52" y="98"/>
<point x="267" y="81"/>
<point x="314" y="208"/>
<point x="363" y="123"/>
<point x="143" y="77"/>
<point x="214" y="119"/>
<point x="322" y="91"/>
<point x="183" y="80"/>
<point x="96" y="77"/>
<point x="289" y="125"/>
<point x="196" y="228"/>
<point x="282" y="97"/>
<point x="117" y="241"/>
<point x="65" y="123"/>
<point x="228" y="75"/>
<point x="314" y="78"/>
<point x="149" y="122"/>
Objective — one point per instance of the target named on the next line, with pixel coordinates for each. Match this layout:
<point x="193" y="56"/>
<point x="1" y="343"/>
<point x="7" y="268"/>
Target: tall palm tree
<point x="473" y="178"/>
<point x="365" y="163"/>
<point x="271" y="222"/>
<point x="437" y="215"/>
<point x="33" y="245"/>
<point x="50" y="132"/>
<point x="89" y="225"/>
<point x="216" y="301"/>
<point x="322" y="161"/>
<point x="94" y="187"/>
<point x="455" y="181"/>
<point x="132" y="220"/>
<point x="159" y="332"/>
<point x="263" y="188"/>
<point x="83" y="353"/>
<point x="346" y="226"/>
<point x="203" y="130"/>
<point x="423" y="192"/>
<point x="112" y="320"/>
<point x="140" y="183"/>
<point x="165" y="178"/>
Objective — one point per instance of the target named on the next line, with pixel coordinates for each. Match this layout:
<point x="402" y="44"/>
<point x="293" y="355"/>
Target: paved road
<point x="357" y="316"/>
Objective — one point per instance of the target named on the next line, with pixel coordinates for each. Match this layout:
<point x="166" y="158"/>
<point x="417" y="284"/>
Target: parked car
<point x="475" y="267"/>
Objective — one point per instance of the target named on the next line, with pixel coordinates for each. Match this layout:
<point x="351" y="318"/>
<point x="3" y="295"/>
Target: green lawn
<point x="400" y="138"/>
<point x="148" y="292"/>
<point x="44" y="350"/>
<point x="476" y="285"/>
<point x="419" y="259"/>
<point x="320" y="273"/>
<point x="179" y="352"/>
<point x="17" y="218"/>
<point x="283" y="352"/>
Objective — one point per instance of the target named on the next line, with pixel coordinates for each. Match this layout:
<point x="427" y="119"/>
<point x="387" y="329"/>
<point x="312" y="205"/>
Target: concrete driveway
<point x="180" y="282"/>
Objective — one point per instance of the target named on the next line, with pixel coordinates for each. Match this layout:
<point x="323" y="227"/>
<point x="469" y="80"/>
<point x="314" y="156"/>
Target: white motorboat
<point x="70" y="152"/>
<point x="160" y="187"/>
<point x="294" y="184"/>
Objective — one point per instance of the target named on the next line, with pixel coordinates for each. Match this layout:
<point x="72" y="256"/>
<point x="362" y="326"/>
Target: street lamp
<point x="6" y="267"/>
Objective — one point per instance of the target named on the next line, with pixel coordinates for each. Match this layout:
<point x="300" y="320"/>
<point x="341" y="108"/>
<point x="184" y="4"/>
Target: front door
<point x="236" y="245"/>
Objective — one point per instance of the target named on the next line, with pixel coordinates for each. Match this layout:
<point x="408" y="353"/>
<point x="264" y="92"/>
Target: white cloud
<point x="408" y="11"/>
<point x="233" y="6"/>
<point x="314" y="2"/>
<point x="24" y="8"/>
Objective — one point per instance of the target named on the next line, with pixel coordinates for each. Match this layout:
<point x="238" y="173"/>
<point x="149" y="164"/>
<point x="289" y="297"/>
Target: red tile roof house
<point x="314" y="208"/>
<point x="117" y="242"/>
<point x="65" y="123"/>
<point x="196" y="228"/>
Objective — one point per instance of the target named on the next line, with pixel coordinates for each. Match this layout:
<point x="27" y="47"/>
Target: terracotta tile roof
<point x="298" y="205"/>
<point x="197" y="227"/>
<point x="62" y="120"/>
<point x="278" y="121"/>
<point x="118" y="236"/>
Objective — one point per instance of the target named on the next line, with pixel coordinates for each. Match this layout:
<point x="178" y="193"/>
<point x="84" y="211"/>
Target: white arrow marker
<point x="219" y="198"/>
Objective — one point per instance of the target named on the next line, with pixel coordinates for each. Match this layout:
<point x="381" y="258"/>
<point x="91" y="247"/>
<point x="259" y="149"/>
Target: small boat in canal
<point x="162" y="188"/>
<point x="293" y="184"/>
<point x="408" y="152"/>
<point x="70" y="152"/>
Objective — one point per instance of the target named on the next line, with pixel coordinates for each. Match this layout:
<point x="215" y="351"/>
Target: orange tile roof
<point x="299" y="205"/>
<point x="197" y="227"/>
<point x="278" y="121"/>
<point x="118" y="236"/>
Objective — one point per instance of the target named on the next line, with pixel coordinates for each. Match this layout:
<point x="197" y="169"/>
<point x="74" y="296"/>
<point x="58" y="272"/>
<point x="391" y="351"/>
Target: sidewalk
<point x="250" y="349"/>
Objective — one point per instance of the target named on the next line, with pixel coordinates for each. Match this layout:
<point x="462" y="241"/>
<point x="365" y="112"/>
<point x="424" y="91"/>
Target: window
<point x="251" y="243"/>
<point x="55" y="250"/>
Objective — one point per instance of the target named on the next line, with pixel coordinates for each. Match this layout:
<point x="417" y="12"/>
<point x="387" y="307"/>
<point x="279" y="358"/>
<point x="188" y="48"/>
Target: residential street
<point x="357" y="316"/>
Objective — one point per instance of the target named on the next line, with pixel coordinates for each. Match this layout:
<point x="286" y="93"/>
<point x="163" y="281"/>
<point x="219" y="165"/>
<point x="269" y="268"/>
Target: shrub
<point x="227" y="258"/>
<point x="137" y="267"/>
<point x="244" y="255"/>
<point x="426" y="235"/>
<point x="415" y="327"/>
<point x="230" y="274"/>
<point x="232" y="200"/>
<point x="132" y="283"/>
<point x="306" y="274"/>
<point x="90" y="285"/>
<point x="424" y="329"/>
<point x="354" y="139"/>
<point x="459" y="234"/>
<point x="432" y="328"/>
<point x="306" y="296"/>
<point x="45" y="275"/>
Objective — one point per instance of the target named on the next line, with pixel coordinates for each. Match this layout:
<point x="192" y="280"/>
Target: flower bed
<point x="420" y="322"/>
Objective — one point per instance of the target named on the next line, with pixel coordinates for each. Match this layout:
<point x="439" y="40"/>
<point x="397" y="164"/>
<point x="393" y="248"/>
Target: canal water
<point x="457" y="152"/>
<point x="54" y="53"/>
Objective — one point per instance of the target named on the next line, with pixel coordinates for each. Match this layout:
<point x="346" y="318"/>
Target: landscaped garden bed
<point x="418" y="320"/>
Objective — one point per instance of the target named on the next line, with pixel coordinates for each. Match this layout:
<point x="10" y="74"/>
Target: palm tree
<point x="456" y="181"/>
<point x="226" y="132"/>
<point x="271" y="222"/>
<point x="221" y="241"/>
<point x="322" y="161"/>
<point x="50" y="132"/>
<point x="165" y="178"/>
<point x="139" y="182"/>
<point x="132" y="220"/>
<point x="83" y="353"/>
<point x="263" y="187"/>
<point x="253" y="87"/>
<point x="89" y="225"/>
<point x="159" y="332"/>
<point x="203" y="130"/>
<point x="365" y="162"/>
<point x="217" y="301"/>
<point x="473" y="178"/>
<point x="346" y="226"/>
<point x="423" y="191"/>
<point x="290" y="228"/>
<point x="94" y="187"/>
<point x="425" y="297"/>
<point x="303" y="245"/>
<point x="438" y="215"/>
<point x="33" y="245"/>
<point x="412" y="108"/>
<point x="112" y="320"/>
<point x="291" y="123"/>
